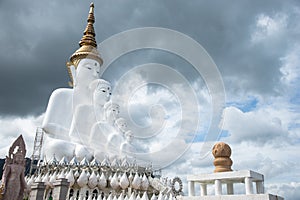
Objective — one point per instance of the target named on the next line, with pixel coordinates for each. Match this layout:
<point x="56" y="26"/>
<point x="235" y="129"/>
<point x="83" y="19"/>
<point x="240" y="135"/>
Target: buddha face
<point x="102" y="93"/>
<point x="129" y="136"/>
<point x="87" y="71"/>
<point x="121" y="125"/>
<point x="112" y="110"/>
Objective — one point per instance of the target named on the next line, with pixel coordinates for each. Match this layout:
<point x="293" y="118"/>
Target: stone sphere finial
<point x="222" y="152"/>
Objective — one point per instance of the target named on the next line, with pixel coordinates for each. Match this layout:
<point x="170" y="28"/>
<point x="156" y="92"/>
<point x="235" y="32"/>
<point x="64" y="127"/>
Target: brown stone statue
<point x="13" y="175"/>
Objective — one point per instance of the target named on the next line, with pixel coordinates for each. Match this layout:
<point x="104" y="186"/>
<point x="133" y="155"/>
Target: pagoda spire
<point x="88" y="44"/>
<point x="88" y="37"/>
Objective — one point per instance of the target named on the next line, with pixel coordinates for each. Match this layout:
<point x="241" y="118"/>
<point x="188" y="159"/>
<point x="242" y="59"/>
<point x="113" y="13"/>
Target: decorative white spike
<point x="74" y="161"/>
<point x="84" y="162"/>
<point x="145" y="196"/>
<point x="83" y="179"/>
<point x="70" y="178"/>
<point x="125" y="164"/>
<point x="115" y="197"/>
<point x="136" y="183"/>
<point x="105" y="162"/>
<point x="114" y="183"/>
<point x="124" y="182"/>
<point x="102" y="183"/>
<point x="93" y="181"/>
<point x="145" y="183"/>
<point x="64" y="161"/>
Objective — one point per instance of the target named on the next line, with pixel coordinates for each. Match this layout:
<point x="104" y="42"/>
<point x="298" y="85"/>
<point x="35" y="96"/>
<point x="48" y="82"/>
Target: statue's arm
<point x="6" y="174"/>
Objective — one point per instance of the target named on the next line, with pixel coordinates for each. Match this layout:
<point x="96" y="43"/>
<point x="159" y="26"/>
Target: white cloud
<point x="259" y="126"/>
<point x="291" y="66"/>
<point x="269" y="26"/>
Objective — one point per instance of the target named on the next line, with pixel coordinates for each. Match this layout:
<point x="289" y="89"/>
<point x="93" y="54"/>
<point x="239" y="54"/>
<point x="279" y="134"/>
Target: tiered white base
<point x="234" y="197"/>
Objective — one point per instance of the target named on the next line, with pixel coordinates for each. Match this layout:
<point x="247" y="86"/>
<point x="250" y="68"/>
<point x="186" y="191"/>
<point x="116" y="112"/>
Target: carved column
<point x="37" y="191"/>
<point x="60" y="190"/>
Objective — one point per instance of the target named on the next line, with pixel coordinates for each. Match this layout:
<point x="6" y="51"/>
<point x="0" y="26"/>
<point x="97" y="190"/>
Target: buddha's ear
<point x="73" y="72"/>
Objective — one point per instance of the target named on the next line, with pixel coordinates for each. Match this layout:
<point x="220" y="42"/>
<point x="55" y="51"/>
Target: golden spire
<point x="89" y="32"/>
<point x="88" y="44"/>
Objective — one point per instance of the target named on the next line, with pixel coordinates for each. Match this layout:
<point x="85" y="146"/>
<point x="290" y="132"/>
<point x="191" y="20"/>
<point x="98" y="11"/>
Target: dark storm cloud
<point x="37" y="38"/>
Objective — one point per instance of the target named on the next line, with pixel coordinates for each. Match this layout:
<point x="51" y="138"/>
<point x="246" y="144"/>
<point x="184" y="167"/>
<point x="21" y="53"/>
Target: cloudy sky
<point x="254" y="44"/>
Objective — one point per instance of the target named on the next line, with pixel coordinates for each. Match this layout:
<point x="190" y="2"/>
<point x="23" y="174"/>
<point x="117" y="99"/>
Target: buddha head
<point x="86" y="72"/>
<point x="121" y="125"/>
<point x="112" y="111"/>
<point x="128" y="136"/>
<point x="102" y="92"/>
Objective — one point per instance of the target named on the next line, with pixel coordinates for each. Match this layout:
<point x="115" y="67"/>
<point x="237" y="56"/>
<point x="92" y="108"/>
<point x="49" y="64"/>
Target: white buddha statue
<point x="86" y="115"/>
<point x="116" y="137"/>
<point x="126" y="147"/>
<point x="83" y="68"/>
<point x="103" y="128"/>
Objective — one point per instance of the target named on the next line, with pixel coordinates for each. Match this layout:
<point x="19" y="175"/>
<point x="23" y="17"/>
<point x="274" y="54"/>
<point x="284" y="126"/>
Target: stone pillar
<point x="203" y="189"/>
<point x="37" y="191"/>
<point x="60" y="190"/>
<point x="230" y="188"/>
<point x="260" y="187"/>
<point x="191" y="188"/>
<point x="218" y="187"/>
<point x="248" y="185"/>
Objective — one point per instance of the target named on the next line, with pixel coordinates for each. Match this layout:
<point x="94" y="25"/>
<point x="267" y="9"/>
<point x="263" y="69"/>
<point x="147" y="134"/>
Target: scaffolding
<point x="37" y="149"/>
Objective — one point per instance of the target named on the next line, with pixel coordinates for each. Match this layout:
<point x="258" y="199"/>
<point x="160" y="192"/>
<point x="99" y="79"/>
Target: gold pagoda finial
<point x="89" y="32"/>
<point x="88" y="44"/>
